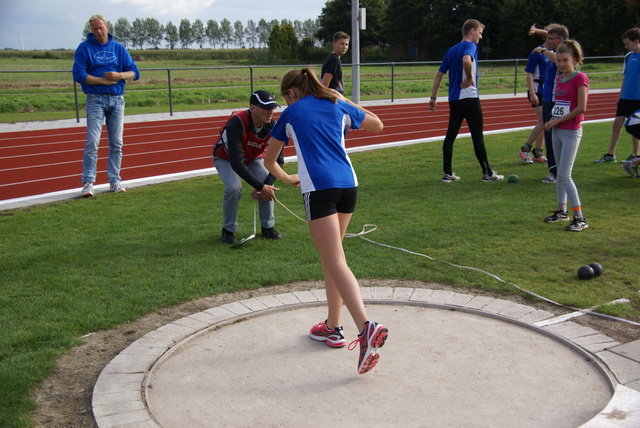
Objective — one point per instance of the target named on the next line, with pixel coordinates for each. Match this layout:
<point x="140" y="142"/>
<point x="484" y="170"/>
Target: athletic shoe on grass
<point x="448" y="178"/>
<point x="525" y="154"/>
<point x="494" y="176"/>
<point x="630" y="169"/>
<point x="117" y="187"/>
<point x="606" y="158"/>
<point x="549" y="179"/>
<point x="372" y="337"/>
<point x="537" y="156"/>
<point x="558" y="215"/>
<point x="577" y="224"/>
<point x="228" y="237"/>
<point x="333" y="338"/>
<point x="87" y="190"/>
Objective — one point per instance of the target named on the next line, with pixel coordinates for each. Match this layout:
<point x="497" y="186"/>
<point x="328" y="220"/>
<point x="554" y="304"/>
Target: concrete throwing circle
<point x="438" y="368"/>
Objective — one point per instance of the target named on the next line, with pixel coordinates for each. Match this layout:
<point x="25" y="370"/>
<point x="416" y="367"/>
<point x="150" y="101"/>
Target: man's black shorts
<point x="539" y="94"/>
<point x="627" y="107"/>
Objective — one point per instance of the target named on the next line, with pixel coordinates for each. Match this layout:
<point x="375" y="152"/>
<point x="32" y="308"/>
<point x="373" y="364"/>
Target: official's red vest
<point x="252" y="146"/>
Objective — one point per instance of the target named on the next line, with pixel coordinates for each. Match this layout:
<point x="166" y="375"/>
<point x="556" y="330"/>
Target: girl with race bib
<point x="571" y="91"/>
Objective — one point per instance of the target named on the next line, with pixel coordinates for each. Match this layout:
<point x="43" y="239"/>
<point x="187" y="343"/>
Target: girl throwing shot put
<point x="315" y="120"/>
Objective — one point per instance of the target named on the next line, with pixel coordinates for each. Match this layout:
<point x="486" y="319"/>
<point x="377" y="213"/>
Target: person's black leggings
<point x="469" y="109"/>
<point x="547" y="108"/>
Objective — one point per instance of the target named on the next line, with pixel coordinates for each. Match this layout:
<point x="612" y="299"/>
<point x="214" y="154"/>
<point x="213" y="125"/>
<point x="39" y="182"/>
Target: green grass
<point x="78" y="266"/>
<point x="204" y="84"/>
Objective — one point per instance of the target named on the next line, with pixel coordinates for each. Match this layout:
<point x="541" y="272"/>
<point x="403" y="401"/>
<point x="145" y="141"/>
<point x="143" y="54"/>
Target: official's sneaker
<point x="577" y="224"/>
<point x="494" y="176"/>
<point x="558" y="215"/>
<point x="525" y="155"/>
<point x="228" y="237"/>
<point x="271" y="233"/>
<point x="87" y="190"/>
<point x="448" y="178"/>
<point x="333" y="338"/>
<point x="537" y="156"/>
<point x="371" y="339"/>
<point x="117" y="187"/>
<point x="606" y="158"/>
<point x="549" y="179"/>
<point x="632" y="157"/>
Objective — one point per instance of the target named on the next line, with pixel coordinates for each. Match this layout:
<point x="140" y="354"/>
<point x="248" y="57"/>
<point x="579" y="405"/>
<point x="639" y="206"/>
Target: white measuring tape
<point x="368" y="228"/>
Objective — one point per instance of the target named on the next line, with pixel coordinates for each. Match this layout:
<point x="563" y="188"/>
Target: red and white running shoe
<point x="333" y="338"/>
<point x="372" y="337"/>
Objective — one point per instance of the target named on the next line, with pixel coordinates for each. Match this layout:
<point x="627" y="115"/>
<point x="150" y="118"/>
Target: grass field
<point x="83" y="265"/>
<point x="207" y="84"/>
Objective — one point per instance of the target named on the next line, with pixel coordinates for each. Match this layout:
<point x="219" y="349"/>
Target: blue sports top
<point x="631" y="83"/>
<point x="317" y="128"/>
<point x="537" y="67"/>
<point x="550" y="82"/>
<point x="452" y="63"/>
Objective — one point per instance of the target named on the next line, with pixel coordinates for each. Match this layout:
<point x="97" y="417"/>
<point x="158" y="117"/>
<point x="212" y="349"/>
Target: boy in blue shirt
<point x="629" y="100"/>
<point x="461" y="62"/>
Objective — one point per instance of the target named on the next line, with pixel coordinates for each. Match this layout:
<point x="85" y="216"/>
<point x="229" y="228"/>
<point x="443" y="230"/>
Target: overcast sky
<point x="54" y="24"/>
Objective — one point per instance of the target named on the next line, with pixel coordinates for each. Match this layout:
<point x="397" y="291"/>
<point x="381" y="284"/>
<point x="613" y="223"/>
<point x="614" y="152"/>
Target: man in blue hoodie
<point x="101" y="66"/>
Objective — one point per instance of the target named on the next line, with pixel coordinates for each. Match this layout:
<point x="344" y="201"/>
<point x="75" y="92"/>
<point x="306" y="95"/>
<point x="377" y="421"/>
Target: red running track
<point x="43" y="161"/>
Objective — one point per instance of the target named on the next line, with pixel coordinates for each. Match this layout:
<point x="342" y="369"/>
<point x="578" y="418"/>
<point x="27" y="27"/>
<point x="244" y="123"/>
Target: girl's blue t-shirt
<point x="317" y="128"/>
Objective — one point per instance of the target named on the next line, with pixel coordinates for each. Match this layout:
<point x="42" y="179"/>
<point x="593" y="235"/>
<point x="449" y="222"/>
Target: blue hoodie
<point x="95" y="59"/>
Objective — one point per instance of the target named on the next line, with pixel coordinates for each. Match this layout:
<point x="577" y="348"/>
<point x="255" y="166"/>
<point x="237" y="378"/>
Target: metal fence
<point x="210" y="85"/>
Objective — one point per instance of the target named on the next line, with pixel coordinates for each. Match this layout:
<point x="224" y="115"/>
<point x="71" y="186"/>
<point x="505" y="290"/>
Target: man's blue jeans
<point x="233" y="192"/>
<point x="101" y="108"/>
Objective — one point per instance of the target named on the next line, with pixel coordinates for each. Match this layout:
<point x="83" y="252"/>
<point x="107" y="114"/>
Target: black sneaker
<point x="271" y="233"/>
<point x="228" y="237"/>
<point x="558" y="215"/>
<point x="577" y="224"/>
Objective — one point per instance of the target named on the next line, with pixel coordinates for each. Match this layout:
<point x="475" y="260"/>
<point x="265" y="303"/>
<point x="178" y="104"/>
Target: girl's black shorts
<point x="323" y="203"/>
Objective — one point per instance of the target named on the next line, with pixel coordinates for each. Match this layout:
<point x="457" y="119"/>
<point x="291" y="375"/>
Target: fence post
<point x="393" y="80"/>
<point x="170" y="94"/>
<point x="251" y="77"/>
<point x="515" y="79"/>
<point x="75" y="95"/>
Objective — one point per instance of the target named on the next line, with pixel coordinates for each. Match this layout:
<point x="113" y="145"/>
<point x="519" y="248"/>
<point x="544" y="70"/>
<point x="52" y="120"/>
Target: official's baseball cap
<point x="263" y="99"/>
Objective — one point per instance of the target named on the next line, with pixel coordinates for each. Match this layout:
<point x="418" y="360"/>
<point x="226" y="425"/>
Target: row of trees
<point x="424" y="29"/>
<point x="404" y="29"/>
<point x="150" y="33"/>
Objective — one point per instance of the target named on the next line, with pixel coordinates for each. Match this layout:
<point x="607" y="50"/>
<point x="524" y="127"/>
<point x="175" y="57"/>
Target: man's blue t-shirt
<point x="452" y="63"/>
<point x="537" y="67"/>
<point x="549" y="82"/>
<point x="631" y="83"/>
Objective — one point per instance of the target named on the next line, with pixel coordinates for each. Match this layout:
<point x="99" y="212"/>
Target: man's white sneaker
<point x="117" y="187"/>
<point x="494" y="176"/>
<point x="87" y="190"/>
<point x="448" y="178"/>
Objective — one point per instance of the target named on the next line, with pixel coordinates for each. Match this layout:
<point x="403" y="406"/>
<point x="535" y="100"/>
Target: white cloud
<point x="168" y="7"/>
